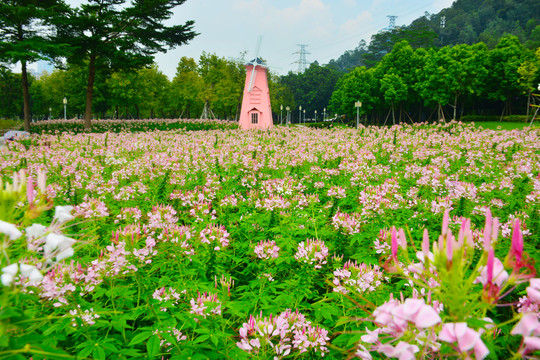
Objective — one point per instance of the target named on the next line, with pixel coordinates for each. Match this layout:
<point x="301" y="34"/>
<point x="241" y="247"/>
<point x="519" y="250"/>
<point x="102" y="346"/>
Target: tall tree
<point x="121" y="34"/>
<point x="24" y="29"/>
<point x="503" y="64"/>
<point x="186" y="84"/>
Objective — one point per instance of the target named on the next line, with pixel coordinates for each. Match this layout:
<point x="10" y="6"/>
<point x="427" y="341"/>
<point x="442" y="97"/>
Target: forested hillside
<point x="465" y="22"/>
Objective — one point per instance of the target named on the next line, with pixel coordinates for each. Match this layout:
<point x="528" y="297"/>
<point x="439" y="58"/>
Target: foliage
<point x="112" y="35"/>
<point x="118" y="126"/>
<point x="454" y="79"/>
<point x="25" y="28"/>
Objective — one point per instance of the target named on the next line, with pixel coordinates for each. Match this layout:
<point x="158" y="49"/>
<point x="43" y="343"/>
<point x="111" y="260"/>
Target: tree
<point x="23" y="28"/>
<point x="394" y="90"/>
<point x="223" y="84"/>
<point x="503" y="64"/>
<point x="111" y="35"/>
<point x="10" y="93"/>
<point x="397" y="73"/>
<point x="358" y="85"/>
<point x="56" y="86"/>
<point x="529" y="74"/>
<point x="186" y="84"/>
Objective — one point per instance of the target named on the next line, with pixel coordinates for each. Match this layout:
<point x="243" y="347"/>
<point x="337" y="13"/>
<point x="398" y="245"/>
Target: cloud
<point x="361" y="23"/>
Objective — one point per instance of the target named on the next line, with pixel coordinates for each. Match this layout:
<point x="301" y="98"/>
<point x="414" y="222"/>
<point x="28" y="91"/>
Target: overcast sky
<point x="327" y="27"/>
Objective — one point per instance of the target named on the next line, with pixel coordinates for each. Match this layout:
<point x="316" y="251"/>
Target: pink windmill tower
<point x="256" y="110"/>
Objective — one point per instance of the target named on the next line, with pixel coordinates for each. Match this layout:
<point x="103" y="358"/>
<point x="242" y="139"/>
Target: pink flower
<point x="492" y="273"/>
<point x="533" y="290"/>
<point x="527" y="325"/>
<point x="402" y="351"/>
<point x="30" y="190"/>
<point x="371" y="336"/>
<point x="397" y="316"/>
<point x="531" y="344"/>
<point x="467" y="339"/>
<point x="394" y="244"/>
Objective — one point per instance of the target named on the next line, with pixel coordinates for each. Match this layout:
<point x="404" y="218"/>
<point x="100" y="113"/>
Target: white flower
<point x="36" y="231"/>
<point x="31" y="272"/>
<point x="10" y="230"/>
<point x="8" y="273"/>
<point x="58" y="242"/>
<point x="63" y="213"/>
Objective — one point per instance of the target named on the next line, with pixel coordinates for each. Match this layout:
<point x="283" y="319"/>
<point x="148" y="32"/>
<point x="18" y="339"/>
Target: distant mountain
<point x="465" y="22"/>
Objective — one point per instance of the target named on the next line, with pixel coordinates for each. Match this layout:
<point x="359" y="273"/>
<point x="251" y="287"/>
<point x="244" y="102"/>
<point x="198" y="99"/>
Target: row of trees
<point x="409" y="84"/>
<point x="99" y="36"/>
<point x="143" y="93"/>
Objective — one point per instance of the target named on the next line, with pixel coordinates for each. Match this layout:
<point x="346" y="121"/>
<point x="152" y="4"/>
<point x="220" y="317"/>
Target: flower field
<point x="414" y="241"/>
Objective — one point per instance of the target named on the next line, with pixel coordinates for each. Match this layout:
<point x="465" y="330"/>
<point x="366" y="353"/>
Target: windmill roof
<point x="257" y="61"/>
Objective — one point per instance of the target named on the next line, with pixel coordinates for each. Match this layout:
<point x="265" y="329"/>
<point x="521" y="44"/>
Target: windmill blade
<point x="252" y="78"/>
<point x="259" y="39"/>
<point x="254" y="63"/>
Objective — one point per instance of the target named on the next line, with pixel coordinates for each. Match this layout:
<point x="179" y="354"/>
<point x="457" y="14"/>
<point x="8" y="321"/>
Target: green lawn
<point x="495" y="125"/>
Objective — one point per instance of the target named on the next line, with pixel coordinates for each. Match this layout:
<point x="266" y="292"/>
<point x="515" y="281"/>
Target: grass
<point x="8" y="124"/>
<point x="495" y="125"/>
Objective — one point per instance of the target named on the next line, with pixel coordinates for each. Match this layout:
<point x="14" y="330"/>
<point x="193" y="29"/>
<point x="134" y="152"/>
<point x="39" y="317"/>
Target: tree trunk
<point x="393" y="115"/>
<point x="89" y="92"/>
<point x="26" y="97"/>
<point x="455" y="106"/>
<point x="528" y="106"/>
<point x="504" y="110"/>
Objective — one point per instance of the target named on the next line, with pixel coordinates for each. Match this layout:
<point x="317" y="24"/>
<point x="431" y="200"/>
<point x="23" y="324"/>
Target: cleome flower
<point x="359" y="277"/>
<point x="205" y="305"/>
<point x="267" y="250"/>
<point x="285" y="334"/>
<point x="313" y="252"/>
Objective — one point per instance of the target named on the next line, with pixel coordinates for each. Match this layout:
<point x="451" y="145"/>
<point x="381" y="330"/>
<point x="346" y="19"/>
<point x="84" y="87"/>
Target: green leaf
<point x="139" y="338"/>
<point x="152" y="346"/>
<point x="85" y="352"/>
<point x="98" y="353"/>
<point x="201" y="338"/>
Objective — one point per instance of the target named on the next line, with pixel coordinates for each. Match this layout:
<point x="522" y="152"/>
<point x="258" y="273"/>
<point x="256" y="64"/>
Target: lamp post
<point x="288" y="115"/>
<point x="65" y="103"/>
<point x="304" y="116"/>
<point x="315" y="115"/>
<point x="281" y="115"/>
<point x="324" y="114"/>
<point x="358" y="105"/>
<point x="300" y="114"/>
<point x="50" y="110"/>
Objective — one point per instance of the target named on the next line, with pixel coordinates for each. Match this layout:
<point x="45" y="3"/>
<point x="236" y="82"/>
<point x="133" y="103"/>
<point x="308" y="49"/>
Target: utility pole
<point x="443" y="24"/>
<point x="302" y="62"/>
<point x="392" y="23"/>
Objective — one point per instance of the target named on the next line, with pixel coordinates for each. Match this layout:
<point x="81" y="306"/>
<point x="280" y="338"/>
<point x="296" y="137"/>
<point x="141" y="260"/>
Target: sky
<point x="228" y="28"/>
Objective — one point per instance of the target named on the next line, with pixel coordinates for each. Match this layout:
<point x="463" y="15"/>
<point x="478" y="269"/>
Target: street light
<point x="50" y="110"/>
<point x="300" y="114"/>
<point x="288" y="115"/>
<point x="304" y="116"/>
<point x="315" y="115"/>
<point x="358" y="105"/>
<point x="281" y="115"/>
<point x="65" y="103"/>
<point x="324" y="114"/>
